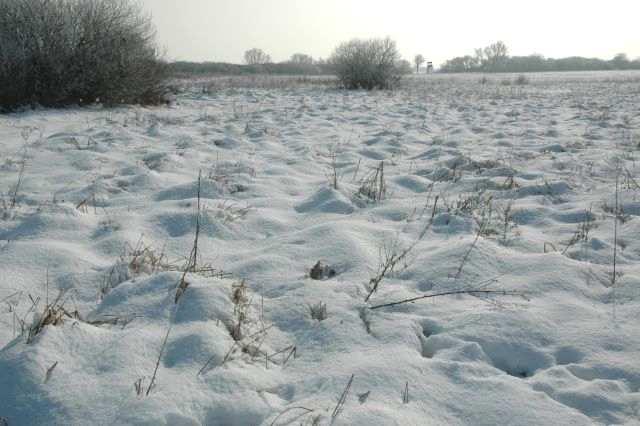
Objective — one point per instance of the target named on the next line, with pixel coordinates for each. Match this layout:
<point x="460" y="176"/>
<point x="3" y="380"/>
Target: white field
<point x="565" y="350"/>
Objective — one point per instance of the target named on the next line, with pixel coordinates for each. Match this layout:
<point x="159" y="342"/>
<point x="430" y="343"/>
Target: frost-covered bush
<point x="60" y="52"/>
<point x="368" y="64"/>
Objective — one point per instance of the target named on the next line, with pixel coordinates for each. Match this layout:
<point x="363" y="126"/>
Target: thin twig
<point x="235" y="344"/>
<point x="390" y="263"/>
<point x="306" y="411"/>
<point x="155" y="370"/>
<point x="449" y="293"/>
<point x="342" y="400"/>
<point x="193" y="257"/>
<point x="16" y="189"/>
<point x="10" y="296"/>
<point x="468" y="253"/>
<point x="615" y="231"/>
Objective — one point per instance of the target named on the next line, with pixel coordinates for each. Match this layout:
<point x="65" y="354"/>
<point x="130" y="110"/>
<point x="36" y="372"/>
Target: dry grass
<point x="318" y="311"/>
<point x="134" y="260"/>
<point x="53" y="314"/>
<point x="393" y="255"/>
<point x="373" y="187"/>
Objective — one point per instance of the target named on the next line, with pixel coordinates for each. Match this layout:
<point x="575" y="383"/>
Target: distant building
<point x="429" y="67"/>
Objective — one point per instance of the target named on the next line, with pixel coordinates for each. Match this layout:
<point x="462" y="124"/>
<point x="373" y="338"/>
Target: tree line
<point x="495" y="58"/>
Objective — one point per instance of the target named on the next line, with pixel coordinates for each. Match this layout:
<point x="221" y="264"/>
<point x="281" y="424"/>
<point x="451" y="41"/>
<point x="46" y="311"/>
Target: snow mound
<point x="326" y="200"/>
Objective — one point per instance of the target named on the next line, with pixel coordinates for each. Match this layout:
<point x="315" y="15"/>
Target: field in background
<point x="453" y="183"/>
<point x="204" y="84"/>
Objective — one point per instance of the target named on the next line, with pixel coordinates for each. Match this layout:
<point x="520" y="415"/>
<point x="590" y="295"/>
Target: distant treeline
<point x="495" y="58"/>
<point x="221" y="68"/>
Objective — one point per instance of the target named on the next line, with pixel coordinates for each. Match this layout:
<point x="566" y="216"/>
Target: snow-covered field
<point x="486" y="187"/>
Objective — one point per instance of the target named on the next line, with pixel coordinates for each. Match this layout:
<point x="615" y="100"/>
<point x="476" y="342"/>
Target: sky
<point x="222" y="30"/>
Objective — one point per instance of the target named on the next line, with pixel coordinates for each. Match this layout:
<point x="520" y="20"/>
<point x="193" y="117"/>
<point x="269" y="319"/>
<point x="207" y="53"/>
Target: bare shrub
<point x="60" y="52"/>
<point x="368" y="64"/>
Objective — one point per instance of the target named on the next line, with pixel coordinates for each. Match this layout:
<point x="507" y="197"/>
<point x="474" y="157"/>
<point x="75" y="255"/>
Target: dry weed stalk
<point x="318" y="311"/>
<point x="134" y="260"/>
<point x="305" y="411"/>
<point x="241" y="305"/>
<point x="482" y="229"/>
<point x="245" y="345"/>
<point x="331" y="172"/>
<point x="155" y="370"/>
<point x="138" y="385"/>
<point x="393" y="257"/>
<point x="83" y="206"/>
<point x="581" y="234"/>
<point x="239" y="327"/>
<point x="192" y="262"/>
<point x="405" y="394"/>
<point x="342" y="400"/>
<point x="54" y="314"/>
<point x="471" y="292"/>
<point x="11" y="202"/>
<point x="16" y="189"/>
<point x="229" y="212"/>
<point x="49" y="372"/>
<point x="374" y="186"/>
<point x="287" y="353"/>
<point x="615" y="230"/>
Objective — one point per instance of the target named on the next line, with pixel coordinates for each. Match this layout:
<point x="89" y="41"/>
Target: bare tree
<point x="495" y="54"/>
<point x="478" y="57"/>
<point x="368" y="64"/>
<point x="418" y="60"/>
<point x="301" y="59"/>
<point x="256" y="57"/>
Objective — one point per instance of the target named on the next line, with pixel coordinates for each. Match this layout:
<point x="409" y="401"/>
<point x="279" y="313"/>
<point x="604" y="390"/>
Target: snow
<point x="100" y="184"/>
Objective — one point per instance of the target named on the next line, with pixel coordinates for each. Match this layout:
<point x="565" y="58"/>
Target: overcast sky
<point x="221" y="30"/>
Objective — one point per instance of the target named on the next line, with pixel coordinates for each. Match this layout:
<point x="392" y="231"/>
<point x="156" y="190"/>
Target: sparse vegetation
<point x="53" y="314"/>
<point x="318" y="311"/>
<point x="373" y="186"/>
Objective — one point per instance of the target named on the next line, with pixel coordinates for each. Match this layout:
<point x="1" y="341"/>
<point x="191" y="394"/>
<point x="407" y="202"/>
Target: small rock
<point x="363" y="397"/>
<point x="321" y="271"/>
